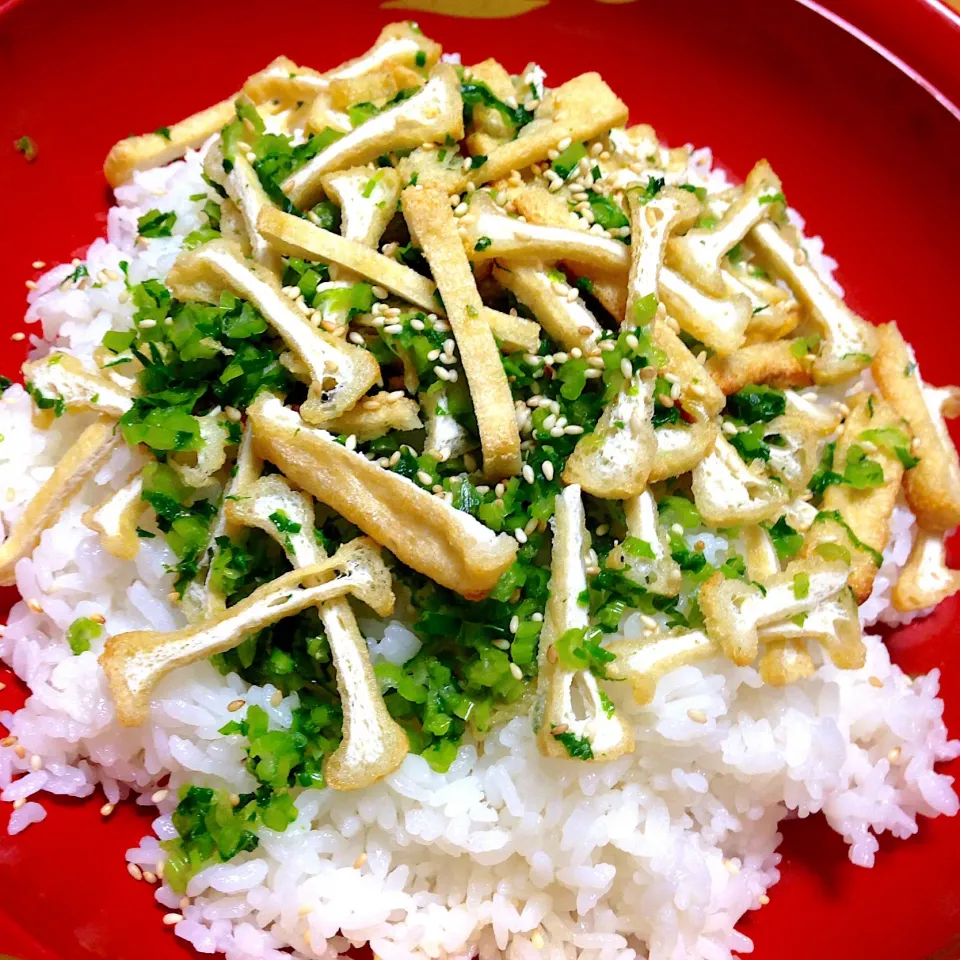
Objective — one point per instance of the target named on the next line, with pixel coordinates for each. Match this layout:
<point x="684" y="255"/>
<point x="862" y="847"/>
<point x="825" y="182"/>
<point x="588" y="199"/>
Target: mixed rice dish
<point x="462" y="517"/>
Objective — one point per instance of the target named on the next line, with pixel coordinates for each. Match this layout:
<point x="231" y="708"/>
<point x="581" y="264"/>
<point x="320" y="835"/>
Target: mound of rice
<point x="656" y="854"/>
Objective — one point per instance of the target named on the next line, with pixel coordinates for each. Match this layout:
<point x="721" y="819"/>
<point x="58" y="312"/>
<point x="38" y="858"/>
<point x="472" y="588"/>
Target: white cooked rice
<point x="656" y="854"/>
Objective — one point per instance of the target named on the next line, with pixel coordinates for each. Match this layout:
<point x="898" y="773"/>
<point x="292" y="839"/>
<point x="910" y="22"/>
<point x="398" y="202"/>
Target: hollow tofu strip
<point x="367" y="199"/>
<point x="643" y="662"/>
<point x="720" y="324"/>
<point x="134" y="663"/>
<point x="134" y="154"/>
<point x="75" y="467"/>
<point x="616" y="459"/>
<point x="512" y="238"/>
<point x="775" y="363"/>
<point x="340" y="373"/>
<point x="516" y="334"/>
<point x="562" y="730"/>
<point x="245" y="190"/>
<point x="654" y="569"/>
<point x="116" y="518"/>
<point x="296" y="237"/>
<point x="727" y="492"/>
<point x="580" y="109"/>
<point x="430" y="116"/>
<point x="373" y="743"/>
<point x="774" y="312"/>
<point x="204" y="597"/>
<point x="568" y="322"/>
<point x="62" y="376"/>
<point x="849" y="343"/>
<point x="428" y="214"/>
<point x="697" y="254"/>
<point x="858" y="520"/>
<point x="932" y="486"/>
<point x="425" y="532"/>
<point x="375" y="416"/>
<point x="926" y="579"/>
<point x="735" y="610"/>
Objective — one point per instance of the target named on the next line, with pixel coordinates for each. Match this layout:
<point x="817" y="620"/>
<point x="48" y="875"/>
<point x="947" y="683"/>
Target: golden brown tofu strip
<point x="430" y="218"/>
<point x="424" y="531"/>
<point x="772" y="363"/>
<point x="863" y="513"/>
<point x="580" y="109"/>
<point x="933" y="485"/>
<point x="76" y="466"/>
<point x="154" y="149"/>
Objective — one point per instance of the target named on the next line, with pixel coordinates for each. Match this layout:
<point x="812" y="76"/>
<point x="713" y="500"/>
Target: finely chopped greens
<point x="520" y="597"/>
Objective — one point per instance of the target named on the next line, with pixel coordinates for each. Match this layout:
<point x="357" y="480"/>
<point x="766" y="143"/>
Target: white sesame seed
<point x="424" y="478"/>
<point x="514" y="623"/>
<point x="159" y="796"/>
<point x="18" y="803"/>
<point x="441" y="373"/>
<point x="527" y="473"/>
<point x="379" y="292"/>
<point x="106" y="810"/>
<point x="536" y="939"/>
<point x="172" y="919"/>
<point x="556" y="432"/>
<point x="763" y="899"/>
<point x="520" y="535"/>
<point x="547" y="469"/>
<point x="132" y="868"/>
<point x="453" y="376"/>
<point x="729" y="428"/>
<point x="356" y="338"/>
<point x="149" y="876"/>
<point x="460" y="209"/>
<point x="276" y="698"/>
<point x="603" y="529"/>
<point x="36" y="762"/>
<point x="393" y="328"/>
<point x="516" y="672"/>
<point x="351" y="443"/>
<point x="18" y="336"/>
<point x="697" y="716"/>
<point x="34" y="605"/>
<point x="147" y="324"/>
<point x="555" y="185"/>
<point x="626" y="368"/>
<point x="360" y="861"/>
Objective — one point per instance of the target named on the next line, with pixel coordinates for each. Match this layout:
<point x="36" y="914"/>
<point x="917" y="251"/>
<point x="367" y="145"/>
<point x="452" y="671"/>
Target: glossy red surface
<point x="857" y="145"/>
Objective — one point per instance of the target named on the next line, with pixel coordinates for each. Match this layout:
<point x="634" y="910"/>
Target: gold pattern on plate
<point x="475" y="9"/>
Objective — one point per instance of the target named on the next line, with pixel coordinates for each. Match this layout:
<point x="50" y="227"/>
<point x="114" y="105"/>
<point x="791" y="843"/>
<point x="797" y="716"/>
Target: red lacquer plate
<point x="866" y="152"/>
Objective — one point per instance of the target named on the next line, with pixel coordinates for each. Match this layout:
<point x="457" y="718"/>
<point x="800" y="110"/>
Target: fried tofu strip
<point x="570" y="323"/>
<point x="785" y="662"/>
<point x="367" y="199"/>
<point x="134" y="663"/>
<point x="429" y="216"/>
<point x="375" y="416"/>
<point x="296" y="237"/>
<point x="285" y="82"/>
<point x="933" y="485"/>
<point x="245" y="190"/>
<point x="150" y="150"/>
<point x="760" y="553"/>
<point x="926" y="579"/>
<point x="643" y="662"/>
<point x="580" y="109"/>
<point x="373" y="743"/>
<point x="116" y="519"/>
<point x="849" y="343"/>
<point x="859" y="520"/>
<point x="211" y="456"/>
<point x="429" y="116"/>
<point x="659" y="573"/>
<point x="75" y="467"/>
<point x="834" y="624"/>
<point x="652" y="223"/>
<point x="61" y="375"/>
<point x="203" y="597"/>
<point x="340" y="373"/>
<point x="447" y="438"/>
<point x="425" y="532"/>
<point x="720" y="324"/>
<point x="727" y="492"/>
<point x="512" y="238"/>
<point x="697" y="254"/>
<point x="616" y="459"/>
<point x="772" y="363"/>
<point x="774" y="312"/>
<point x="554" y="715"/>
<point x="680" y="447"/>
<point x="734" y="610"/>
<point x="516" y="334"/>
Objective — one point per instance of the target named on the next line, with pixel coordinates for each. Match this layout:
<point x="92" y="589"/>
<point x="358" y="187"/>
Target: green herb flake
<point x="801" y="586"/>
<point x="81" y="632"/>
<point x="163" y="132"/>
<point x="27" y="146"/>
<point x="578" y="747"/>
<point x="156" y="224"/>
<point x="482" y="244"/>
